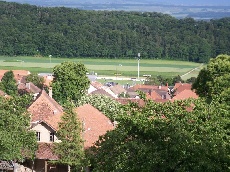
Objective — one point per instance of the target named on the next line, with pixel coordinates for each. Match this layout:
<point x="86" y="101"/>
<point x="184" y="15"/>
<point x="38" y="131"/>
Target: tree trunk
<point x="68" y="168"/>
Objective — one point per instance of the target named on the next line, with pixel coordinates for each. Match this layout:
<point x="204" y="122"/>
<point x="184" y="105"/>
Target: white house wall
<point x="44" y="132"/>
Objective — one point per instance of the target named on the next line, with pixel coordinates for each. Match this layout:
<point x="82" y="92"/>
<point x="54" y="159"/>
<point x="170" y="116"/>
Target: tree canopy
<point x="36" y="80"/>
<point x="16" y="141"/>
<point x="8" y="83"/>
<point x="70" y="81"/>
<point x="67" y="32"/>
<point x="180" y="136"/>
<point x="71" y="148"/>
<point x="214" y="80"/>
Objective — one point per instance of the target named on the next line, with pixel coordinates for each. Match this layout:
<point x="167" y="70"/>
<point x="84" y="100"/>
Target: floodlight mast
<point x="138" y="65"/>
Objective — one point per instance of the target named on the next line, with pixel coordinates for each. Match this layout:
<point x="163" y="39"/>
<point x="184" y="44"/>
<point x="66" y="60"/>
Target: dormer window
<point x="52" y="137"/>
<point x="38" y="136"/>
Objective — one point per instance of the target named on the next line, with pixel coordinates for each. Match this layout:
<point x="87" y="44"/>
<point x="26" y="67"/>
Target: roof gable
<point x="45" y="108"/>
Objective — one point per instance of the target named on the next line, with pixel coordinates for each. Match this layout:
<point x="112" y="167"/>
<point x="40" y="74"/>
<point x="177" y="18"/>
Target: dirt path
<point x="192" y="70"/>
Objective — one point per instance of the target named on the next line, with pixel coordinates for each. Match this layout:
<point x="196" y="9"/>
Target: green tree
<point x="166" y="137"/>
<point x="8" y="83"/>
<point x="36" y="80"/>
<point x="214" y="80"/>
<point x="71" y="148"/>
<point x="16" y="141"/>
<point x="70" y="81"/>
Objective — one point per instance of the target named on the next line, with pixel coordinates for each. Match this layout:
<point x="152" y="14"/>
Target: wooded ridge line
<point x="66" y="32"/>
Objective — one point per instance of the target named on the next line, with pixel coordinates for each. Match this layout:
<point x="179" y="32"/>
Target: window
<point x="38" y="136"/>
<point x="52" y="137"/>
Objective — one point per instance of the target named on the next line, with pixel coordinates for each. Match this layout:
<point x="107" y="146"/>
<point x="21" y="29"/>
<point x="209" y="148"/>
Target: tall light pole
<point x="50" y="57"/>
<point x="138" y="65"/>
<point x="116" y="70"/>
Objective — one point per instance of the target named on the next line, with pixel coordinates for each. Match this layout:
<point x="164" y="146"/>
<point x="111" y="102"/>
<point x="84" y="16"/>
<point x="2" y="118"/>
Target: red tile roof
<point x="179" y="87"/>
<point x="18" y="74"/>
<point x="96" y="84"/>
<point x="185" y="95"/>
<point x="46" y="109"/>
<point x="94" y="123"/>
<point x="45" y="151"/>
<point x="153" y="95"/>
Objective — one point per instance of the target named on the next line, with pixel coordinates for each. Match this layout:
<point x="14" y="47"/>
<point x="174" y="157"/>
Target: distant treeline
<point x="65" y="32"/>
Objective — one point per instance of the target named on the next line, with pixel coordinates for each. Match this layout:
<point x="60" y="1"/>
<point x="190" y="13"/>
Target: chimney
<point x="50" y="92"/>
<point x="28" y="85"/>
<point x="159" y="87"/>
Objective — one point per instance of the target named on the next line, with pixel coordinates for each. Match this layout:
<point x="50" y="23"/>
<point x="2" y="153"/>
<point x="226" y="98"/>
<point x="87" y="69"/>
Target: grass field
<point x="104" y="67"/>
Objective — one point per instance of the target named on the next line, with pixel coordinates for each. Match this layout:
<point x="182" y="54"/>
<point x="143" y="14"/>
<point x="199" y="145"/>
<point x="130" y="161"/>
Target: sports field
<point x="105" y="67"/>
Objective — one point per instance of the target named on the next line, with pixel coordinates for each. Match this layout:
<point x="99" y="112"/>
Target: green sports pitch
<point x="106" y="67"/>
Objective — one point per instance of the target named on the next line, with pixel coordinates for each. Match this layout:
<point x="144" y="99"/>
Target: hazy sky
<point x="174" y="2"/>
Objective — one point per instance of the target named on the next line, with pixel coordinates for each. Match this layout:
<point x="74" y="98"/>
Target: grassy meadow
<point x="104" y="67"/>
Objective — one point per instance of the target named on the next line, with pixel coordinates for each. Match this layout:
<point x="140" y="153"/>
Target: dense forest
<point x="66" y="32"/>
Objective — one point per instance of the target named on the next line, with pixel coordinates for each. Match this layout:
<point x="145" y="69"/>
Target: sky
<point x="170" y="2"/>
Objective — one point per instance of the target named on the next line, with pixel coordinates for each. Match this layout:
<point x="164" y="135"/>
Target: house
<point x="28" y="88"/>
<point x="18" y="74"/>
<point x="48" y="78"/>
<point x="183" y="91"/>
<point x="94" y="85"/>
<point x="46" y="113"/>
<point x="152" y="92"/>
<point x="102" y="92"/>
<point x="117" y="90"/>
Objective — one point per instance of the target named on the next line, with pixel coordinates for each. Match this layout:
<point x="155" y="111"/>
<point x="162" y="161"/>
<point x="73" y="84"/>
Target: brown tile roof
<point x="44" y="108"/>
<point x="153" y="95"/>
<point x="117" y="89"/>
<point x="29" y="87"/>
<point x="18" y="74"/>
<point x="96" y="84"/>
<point x="179" y="87"/>
<point x="185" y="95"/>
<point x="45" y="151"/>
<point x="94" y="123"/>
<point x="102" y="92"/>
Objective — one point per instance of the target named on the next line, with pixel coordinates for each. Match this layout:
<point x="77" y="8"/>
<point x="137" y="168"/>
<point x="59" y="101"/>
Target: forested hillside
<point x="66" y="32"/>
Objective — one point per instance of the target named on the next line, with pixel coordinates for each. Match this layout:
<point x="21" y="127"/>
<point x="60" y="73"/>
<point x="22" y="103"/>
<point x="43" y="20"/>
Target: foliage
<point x="8" y="83"/>
<point x="16" y="141"/>
<point x="214" y="81"/>
<point x="67" y="32"/>
<point x="108" y="106"/>
<point x="191" y="80"/>
<point x="71" y="148"/>
<point x="70" y="81"/>
<point x="36" y="80"/>
<point x="166" y="137"/>
<point x="160" y="80"/>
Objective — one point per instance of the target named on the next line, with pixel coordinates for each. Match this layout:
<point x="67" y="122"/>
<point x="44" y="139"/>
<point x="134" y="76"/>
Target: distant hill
<point x="70" y="32"/>
<point x="197" y="9"/>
